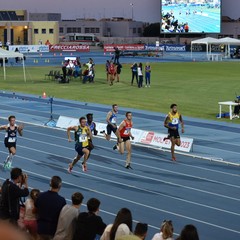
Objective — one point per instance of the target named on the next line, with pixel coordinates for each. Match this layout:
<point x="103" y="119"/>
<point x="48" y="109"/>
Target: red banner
<point x="69" y="48"/>
<point x="123" y="47"/>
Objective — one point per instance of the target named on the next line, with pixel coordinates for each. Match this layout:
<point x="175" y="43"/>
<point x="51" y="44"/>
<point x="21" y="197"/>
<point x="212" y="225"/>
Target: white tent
<point x="208" y="41"/>
<point x="4" y="54"/>
<point x="229" y="41"/>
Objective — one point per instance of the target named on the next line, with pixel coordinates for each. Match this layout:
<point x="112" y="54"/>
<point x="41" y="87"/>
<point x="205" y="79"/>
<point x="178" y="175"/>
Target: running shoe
<point x="166" y="138"/>
<point x="70" y="167"/>
<point x="115" y="147"/>
<point x="84" y="167"/>
<point x="174" y="159"/>
<point x="128" y="166"/>
<point x="103" y="132"/>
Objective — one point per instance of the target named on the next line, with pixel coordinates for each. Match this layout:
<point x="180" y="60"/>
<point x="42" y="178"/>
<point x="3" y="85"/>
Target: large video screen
<point x="190" y="16"/>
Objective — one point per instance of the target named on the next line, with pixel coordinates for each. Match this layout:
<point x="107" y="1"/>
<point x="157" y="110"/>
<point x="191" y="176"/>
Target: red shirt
<point x="125" y="131"/>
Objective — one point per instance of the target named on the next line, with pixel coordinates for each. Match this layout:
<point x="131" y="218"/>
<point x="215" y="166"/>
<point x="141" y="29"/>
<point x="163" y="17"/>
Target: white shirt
<point x="122" y="230"/>
<point x="158" y="236"/>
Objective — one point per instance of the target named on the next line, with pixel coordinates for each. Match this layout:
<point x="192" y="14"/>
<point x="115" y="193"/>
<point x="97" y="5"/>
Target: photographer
<point x="12" y="190"/>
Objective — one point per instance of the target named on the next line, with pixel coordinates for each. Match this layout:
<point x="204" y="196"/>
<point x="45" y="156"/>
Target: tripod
<point x="51" y="122"/>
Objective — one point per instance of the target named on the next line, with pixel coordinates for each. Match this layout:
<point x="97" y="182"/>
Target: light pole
<point x="131" y="4"/>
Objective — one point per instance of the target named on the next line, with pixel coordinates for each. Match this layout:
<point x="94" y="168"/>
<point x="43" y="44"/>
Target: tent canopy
<point x="4" y="54"/>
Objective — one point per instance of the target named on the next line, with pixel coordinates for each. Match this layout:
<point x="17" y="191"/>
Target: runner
<point x="172" y="123"/>
<point x="112" y="123"/>
<point x="125" y="134"/>
<point x="11" y="139"/>
<point x="92" y="125"/>
<point x="81" y="133"/>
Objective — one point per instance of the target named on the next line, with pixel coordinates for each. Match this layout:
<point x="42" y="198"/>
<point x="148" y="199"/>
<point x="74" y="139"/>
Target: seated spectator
<point x="68" y="217"/>
<point x="189" y="232"/>
<point x="49" y="205"/>
<point x="122" y="226"/>
<point x="166" y="231"/>
<point x="140" y="233"/>
<point x="89" y="224"/>
<point x="30" y="215"/>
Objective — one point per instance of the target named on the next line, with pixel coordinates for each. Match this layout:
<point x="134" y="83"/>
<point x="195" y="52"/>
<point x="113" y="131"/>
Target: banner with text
<point x="123" y="47"/>
<point x="69" y="48"/>
<point x="29" y="48"/>
<point x="140" y="136"/>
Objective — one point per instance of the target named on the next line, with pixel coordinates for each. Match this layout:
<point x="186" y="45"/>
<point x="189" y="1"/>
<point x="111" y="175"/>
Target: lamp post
<point x="131" y="4"/>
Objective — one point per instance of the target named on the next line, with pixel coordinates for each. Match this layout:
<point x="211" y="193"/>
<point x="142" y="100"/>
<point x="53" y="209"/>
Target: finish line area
<point x="189" y="191"/>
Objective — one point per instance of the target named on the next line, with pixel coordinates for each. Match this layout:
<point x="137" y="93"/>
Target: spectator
<point x="134" y="72"/>
<point x="49" y="205"/>
<point x="140" y="75"/>
<point x="166" y="231"/>
<point x="147" y="74"/>
<point x="12" y="191"/>
<point x="67" y="218"/>
<point x="89" y="224"/>
<point x="122" y="226"/>
<point x="119" y="69"/>
<point x="189" y="232"/>
<point x="116" y="55"/>
<point x="30" y="216"/>
<point x="140" y="233"/>
<point x="11" y="232"/>
<point x="236" y="109"/>
<point x="112" y="72"/>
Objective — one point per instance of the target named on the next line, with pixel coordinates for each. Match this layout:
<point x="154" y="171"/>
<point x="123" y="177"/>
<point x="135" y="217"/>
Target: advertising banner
<point x="29" y="48"/>
<point x="69" y="48"/>
<point x="123" y="47"/>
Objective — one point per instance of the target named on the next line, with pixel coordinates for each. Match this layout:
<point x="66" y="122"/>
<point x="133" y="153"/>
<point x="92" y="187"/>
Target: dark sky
<point x="143" y="10"/>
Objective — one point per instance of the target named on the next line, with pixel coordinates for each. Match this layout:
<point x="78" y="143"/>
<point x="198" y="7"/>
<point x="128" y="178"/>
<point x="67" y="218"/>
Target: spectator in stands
<point x="30" y="215"/>
<point x="134" y="72"/>
<point x="89" y="224"/>
<point x="68" y="217"/>
<point x="140" y="233"/>
<point x="236" y="109"/>
<point x="12" y="191"/>
<point x="189" y="232"/>
<point x="166" y="231"/>
<point x="11" y="232"/>
<point x="122" y="226"/>
<point x="49" y="205"/>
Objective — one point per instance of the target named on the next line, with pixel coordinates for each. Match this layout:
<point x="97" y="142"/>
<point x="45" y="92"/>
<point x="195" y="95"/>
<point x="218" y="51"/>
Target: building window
<point x="35" y="31"/>
<point x="74" y="30"/>
<point x="79" y="30"/>
<point x="44" y="31"/>
<point x="69" y="30"/>
<point x="51" y="31"/>
<point x="97" y="30"/>
<point x="134" y="30"/>
<point x="61" y="29"/>
<point x="87" y="30"/>
<point x="92" y="30"/>
<point x="140" y="30"/>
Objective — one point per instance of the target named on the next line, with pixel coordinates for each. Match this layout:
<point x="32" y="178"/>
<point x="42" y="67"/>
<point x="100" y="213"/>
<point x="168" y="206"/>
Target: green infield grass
<point x="196" y="87"/>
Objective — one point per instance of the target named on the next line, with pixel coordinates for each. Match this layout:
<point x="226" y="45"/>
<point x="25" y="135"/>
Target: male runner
<point x="172" y="123"/>
<point x="92" y="125"/>
<point x="125" y="134"/>
<point x="112" y="123"/>
<point x="11" y="139"/>
<point x="82" y="133"/>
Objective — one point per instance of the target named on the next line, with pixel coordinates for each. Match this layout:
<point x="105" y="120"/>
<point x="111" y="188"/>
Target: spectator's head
<point x="93" y="205"/>
<point x="16" y="174"/>
<point x="189" y="232"/>
<point x="124" y="215"/>
<point x="77" y="198"/>
<point x="9" y="231"/>
<point x="34" y="194"/>
<point x="167" y="229"/>
<point x="141" y="230"/>
<point x="56" y="183"/>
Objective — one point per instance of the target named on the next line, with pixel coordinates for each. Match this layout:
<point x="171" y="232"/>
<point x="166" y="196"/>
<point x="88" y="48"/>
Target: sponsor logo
<point x="72" y="48"/>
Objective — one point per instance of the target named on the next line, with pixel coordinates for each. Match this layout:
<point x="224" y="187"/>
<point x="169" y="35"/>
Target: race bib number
<point x="175" y="121"/>
<point x="83" y="138"/>
<point x="11" y="140"/>
<point x="114" y="120"/>
<point x="126" y="132"/>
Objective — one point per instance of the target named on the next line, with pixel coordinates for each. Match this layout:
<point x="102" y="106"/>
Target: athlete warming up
<point x="125" y="134"/>
<point x="10" y="140"/>
<point x="171" y="122"/>
<point x="82" y="134"/>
